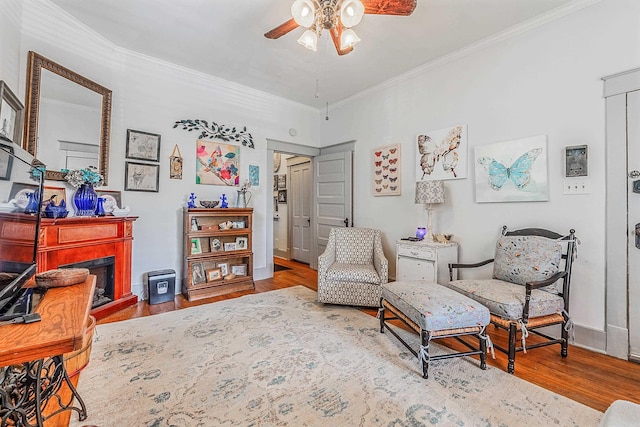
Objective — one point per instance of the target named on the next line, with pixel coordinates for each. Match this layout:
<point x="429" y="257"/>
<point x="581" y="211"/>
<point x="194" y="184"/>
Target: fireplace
<point x="103" y="269"/>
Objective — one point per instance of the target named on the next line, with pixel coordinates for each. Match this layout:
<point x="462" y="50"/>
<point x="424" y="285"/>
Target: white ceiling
<point x="224" y="38"/>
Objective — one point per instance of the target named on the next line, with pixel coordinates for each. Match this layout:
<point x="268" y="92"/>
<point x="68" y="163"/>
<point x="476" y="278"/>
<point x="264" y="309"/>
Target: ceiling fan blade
<point x="282" y="29"/>
<point x="389" y="7"/>
<point x="335" y="36"/>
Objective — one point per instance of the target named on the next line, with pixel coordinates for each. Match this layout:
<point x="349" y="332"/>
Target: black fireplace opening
<point x="103" y="269"/>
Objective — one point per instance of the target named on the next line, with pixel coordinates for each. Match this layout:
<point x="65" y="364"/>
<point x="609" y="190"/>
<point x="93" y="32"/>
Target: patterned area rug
<point x="282" y="359"/>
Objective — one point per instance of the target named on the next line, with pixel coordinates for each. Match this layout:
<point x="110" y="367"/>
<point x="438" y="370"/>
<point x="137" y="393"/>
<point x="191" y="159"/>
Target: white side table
<point x="428" y="261"/>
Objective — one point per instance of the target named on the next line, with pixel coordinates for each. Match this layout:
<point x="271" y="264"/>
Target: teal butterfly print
<point x="519" y="172"/>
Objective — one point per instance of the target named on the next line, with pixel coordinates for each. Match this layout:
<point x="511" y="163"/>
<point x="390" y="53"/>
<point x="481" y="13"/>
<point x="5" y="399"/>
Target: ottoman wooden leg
<point x="424" y="353"/>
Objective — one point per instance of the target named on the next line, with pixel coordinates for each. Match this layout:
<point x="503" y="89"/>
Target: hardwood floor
<point x="593" y="379"/>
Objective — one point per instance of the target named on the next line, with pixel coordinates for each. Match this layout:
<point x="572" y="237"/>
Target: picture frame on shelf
<point x="143" y="146"/>
<point x="215" y="244"/>
<point x="60" y="193"/>
<point x="11" y="114"/>
<point x="239" y="269"/>
<point x="230" y="246"/>
<point x="196" y="249"/>
<point x="197" y="273"/>
<point x="242" y="243"/>
<point x="194" y="224"/>
<point x="141" y="177"/>
<point x="224" y="268"/>
<point x="214" y="274"/>
<point x="6" y="161"/>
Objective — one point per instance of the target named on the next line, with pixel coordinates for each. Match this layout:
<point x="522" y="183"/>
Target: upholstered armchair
<point x="529" y="288"/>
<point x="352" y="268"/>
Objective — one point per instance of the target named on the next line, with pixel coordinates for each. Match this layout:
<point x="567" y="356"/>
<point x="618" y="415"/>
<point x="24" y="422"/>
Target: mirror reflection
<point x="67" y="118"/>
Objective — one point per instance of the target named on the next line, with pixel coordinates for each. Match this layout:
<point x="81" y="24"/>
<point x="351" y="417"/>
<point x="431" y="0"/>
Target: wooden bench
<point x="434" y="311"/>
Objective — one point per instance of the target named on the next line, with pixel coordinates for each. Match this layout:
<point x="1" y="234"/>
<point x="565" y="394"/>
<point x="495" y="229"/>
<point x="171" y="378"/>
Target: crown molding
<point x="509" y="33"/>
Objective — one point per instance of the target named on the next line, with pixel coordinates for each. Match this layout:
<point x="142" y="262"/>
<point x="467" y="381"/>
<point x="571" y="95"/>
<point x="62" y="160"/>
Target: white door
<point x="333" y="196"/>
<point x="300" y="205"/>
<point x="633" y="221"/>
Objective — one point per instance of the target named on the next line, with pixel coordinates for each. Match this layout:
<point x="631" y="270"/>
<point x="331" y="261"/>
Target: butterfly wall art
<point x="512" y="171"/>
<point x="383" y="173"/>
<point x="442" y="154"/>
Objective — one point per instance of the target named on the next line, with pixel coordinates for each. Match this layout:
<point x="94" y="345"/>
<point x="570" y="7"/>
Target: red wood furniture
<point x="65" y="241"/>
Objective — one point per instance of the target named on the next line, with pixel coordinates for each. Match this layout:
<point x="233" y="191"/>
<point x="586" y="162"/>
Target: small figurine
<point x="223" y="201"/>
<point x="192" y="201"/>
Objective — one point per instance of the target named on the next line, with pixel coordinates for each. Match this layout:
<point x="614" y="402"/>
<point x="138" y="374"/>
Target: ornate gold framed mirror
<point x="67" y="118"/>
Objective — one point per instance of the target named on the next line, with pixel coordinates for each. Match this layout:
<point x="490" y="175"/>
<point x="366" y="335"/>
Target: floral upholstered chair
<point x="352" y="268"/>
<point x="529" y="288"/>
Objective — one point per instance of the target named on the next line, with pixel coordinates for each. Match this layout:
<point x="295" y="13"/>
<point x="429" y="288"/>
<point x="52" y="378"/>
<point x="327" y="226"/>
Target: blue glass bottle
<point x="100" y="208"/>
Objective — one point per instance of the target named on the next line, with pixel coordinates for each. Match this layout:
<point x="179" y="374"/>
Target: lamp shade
<point x="309" y="39"/>
<point x="348" y="38"/>
<point x="351" y="13"/>
<point x="429" y="192"/>
<point x="303" y="12"/>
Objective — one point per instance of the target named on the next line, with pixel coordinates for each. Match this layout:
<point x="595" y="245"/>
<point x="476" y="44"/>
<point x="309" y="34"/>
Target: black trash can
<point x="161" y="285"/>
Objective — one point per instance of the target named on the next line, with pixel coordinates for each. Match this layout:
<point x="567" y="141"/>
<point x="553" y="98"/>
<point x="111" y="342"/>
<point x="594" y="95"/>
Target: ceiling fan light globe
<point x="351" y="12"/>
<point x="303" y="12"/>
<point x="309" y="39"/>
<point x="348" y="38"/>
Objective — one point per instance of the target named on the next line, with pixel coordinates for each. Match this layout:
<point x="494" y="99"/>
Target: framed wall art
<point x="282" y="181"/>
<point x="282" y="196"/>
<point x="143" y="146"/>
<point x="386" y="170"/>
<point x="141" y="177"/>
<point x="576" y="161"/>
<point x="11" y="114"/>
<point x="254" y="175"/>
<point x="442" y="154"/>
<point x="175" y="163"/>
<point x="512" y="171"/>
<point x="6" y="161"/>
<point x="217" y="164"/>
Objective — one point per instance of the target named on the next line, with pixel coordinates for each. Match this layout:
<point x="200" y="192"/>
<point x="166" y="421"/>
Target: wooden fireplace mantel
<point x="65" y="241"/>
<point x="71" y="240"/>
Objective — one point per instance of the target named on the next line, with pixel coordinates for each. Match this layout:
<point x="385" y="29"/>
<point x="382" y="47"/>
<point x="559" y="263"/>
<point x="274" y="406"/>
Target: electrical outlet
<point x="574" y="187"/>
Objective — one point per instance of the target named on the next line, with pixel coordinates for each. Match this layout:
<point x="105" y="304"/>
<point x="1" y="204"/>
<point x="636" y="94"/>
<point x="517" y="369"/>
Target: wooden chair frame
<point x="513" y="327"/>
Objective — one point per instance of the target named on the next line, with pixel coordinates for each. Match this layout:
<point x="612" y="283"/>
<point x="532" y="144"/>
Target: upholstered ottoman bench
<point x="434" y="311"/>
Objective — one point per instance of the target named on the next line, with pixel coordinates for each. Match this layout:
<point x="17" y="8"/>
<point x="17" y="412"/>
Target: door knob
<point x="634" y="174"/>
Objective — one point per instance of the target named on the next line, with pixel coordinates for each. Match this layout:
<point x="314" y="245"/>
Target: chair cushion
<point x="354" y="245"/>
<point x="365" y="273"/>
<point x="507" y="299"/>
<point x="522" y="259"/>
<point x="434" y="307"/>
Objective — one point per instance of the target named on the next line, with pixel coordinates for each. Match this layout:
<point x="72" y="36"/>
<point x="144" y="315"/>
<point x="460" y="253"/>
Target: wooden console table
<point x="39" y="348"/>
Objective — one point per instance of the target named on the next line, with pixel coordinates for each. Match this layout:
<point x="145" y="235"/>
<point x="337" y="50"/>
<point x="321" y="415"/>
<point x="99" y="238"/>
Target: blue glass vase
<point x="85" y="200"/>
<point x="100" y="207"/>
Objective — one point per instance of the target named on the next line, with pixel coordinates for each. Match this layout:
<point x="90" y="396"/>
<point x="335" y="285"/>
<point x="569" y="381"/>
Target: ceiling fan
<point x="337" y="16"/>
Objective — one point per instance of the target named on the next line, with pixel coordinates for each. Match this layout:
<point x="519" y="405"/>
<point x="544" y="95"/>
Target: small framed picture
<point x="576" y="161"/>
<point x="215" y="244"/>
<point x="141" y="177"/>
<point x="215" y="274"/>
<point x="254" y="175"/>
<point x="242" y="243"/>
<point x="239" y="270"/>
<point x="55" y="195"/>
<point x="238" y="224"/>
<point x="6" y="162"/>
<point x="230" y="246"/>
<point x="282" y="181"/>
<point x="197" y="273"/>
<point x="143" y="146"/>
<point x="11" y="112"/>
<point x="282" y="196"/>
<point x="224" y="268"/>
<point x="194" y="224"/>
<point x="195" y="247"/>
<point x="111" y="199"/>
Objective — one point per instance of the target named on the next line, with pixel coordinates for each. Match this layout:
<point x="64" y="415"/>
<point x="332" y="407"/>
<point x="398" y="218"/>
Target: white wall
<point x="150" y="95"/>
<point x="544" y="81"/>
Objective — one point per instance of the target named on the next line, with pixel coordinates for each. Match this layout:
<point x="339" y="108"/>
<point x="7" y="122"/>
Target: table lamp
<point x="428" y="193"/>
